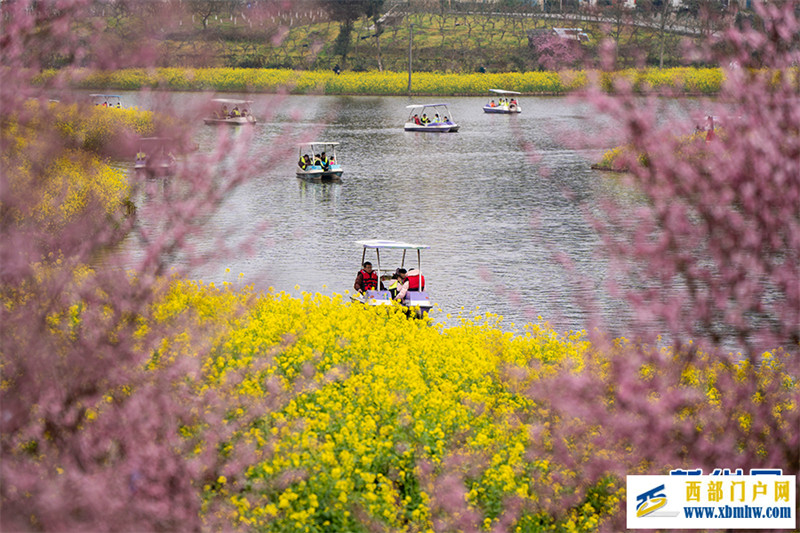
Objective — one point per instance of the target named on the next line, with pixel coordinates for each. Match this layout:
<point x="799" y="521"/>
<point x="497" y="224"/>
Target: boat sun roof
<point x="317" y="143"/>
<point x="231" y="101"/>
<point x="395" y="245"/>
<point x="420" y="106"/>
<point x="501" y="91"/>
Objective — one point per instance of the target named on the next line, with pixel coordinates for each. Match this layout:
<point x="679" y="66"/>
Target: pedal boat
<point x="155" y="157"/>
<point x="227" y="116"/>
<point x="506" y="108"/>
<point x="418" y="302"/>
<point x="314" y="172"/>
<point x="443" y="125"/>
<point x="107" y="100"/>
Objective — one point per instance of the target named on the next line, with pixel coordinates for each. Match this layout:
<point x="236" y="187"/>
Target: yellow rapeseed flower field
<point x="688" y="80"/>
<point x="374" y="397"/>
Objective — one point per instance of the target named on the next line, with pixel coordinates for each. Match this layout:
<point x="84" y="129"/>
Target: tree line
<point x="448" y="35"/>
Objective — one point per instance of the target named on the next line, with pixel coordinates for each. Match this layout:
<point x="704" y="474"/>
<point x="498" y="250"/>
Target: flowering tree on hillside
<point x="555" y="52"/>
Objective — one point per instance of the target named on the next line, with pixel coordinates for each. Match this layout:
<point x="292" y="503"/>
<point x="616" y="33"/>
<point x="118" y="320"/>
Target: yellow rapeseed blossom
<point x="387" y="392"/>
<point x="688" y="79"/>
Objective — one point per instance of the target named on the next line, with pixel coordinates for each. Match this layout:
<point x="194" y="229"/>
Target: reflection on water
<point x="321" y="192"/>
<point x="507" y="231"/>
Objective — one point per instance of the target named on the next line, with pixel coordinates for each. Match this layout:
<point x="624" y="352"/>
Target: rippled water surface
<point x="497" y="202"/>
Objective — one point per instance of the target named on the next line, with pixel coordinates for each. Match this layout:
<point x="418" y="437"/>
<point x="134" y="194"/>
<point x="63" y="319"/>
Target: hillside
<point x="462" y="38"/>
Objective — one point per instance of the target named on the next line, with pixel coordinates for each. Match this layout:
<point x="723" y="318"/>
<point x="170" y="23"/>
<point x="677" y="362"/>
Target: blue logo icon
<point x="650" y="501"/>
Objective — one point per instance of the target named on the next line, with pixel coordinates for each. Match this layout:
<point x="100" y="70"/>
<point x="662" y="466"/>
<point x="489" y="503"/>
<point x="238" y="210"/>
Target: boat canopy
<point x="393" y="245"/>
<point x="501" y="91"/>
<point x="316" y="143"/>
<point x="420" y="106"/>
<point x="231" y="101"/>
<point x="105" y="96"/>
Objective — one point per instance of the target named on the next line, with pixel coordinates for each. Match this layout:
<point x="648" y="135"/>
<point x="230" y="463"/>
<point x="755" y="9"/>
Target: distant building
<point x="569" y="34"/>
<point x="575" y="34"/>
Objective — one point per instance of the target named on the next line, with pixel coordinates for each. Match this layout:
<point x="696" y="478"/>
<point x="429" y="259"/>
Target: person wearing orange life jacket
<point x="366" y="279"/>
<point x="412" y="280"/>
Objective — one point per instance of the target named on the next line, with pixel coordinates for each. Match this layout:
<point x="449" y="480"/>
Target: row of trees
<point x="298" y="34"/>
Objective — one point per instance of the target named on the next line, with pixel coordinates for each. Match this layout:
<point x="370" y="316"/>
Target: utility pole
<point x="410" y="43"/>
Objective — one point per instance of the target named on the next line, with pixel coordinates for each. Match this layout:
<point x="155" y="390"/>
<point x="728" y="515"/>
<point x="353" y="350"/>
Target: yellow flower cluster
<point x="71" y="182"/>
<point x="73" y="178"/>
<point x="98" y="127"/>
<point x="687" y="79"/>
<point x="373" y="404"/>
<point x="690" y="80"/>
<point x="370" y="396"/>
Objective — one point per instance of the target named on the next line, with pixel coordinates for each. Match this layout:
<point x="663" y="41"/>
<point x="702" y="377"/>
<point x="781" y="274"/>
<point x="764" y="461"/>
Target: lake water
<point x="498" y="203"/>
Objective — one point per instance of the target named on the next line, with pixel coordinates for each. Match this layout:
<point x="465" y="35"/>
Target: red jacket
<point x="416" y="281"/>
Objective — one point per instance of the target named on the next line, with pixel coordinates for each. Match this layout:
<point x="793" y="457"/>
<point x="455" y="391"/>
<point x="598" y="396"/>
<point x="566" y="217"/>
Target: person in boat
<point x="140" y="156"/>
<point x="412" y="280"/>
<point x="235" y="112"/>
<point x="324" y="161"/>
<point x="492" y="104"/>
<point x="392" y="282"/>
<point x="425" y="120"/>
<point x="317" y="160"/>
<point x="446" y="120"/>
<point x="366" y="279"/>
<point x="436" y="118"/>
<point x="224" y="111"/>
<point x="416" y="120"/>
<point x="304" y="162"/>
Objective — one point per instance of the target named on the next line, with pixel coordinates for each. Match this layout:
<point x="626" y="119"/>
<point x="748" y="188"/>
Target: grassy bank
<point x="688" y="81"/>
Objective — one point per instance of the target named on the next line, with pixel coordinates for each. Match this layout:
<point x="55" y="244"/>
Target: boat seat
<point x="379" y="294"/>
